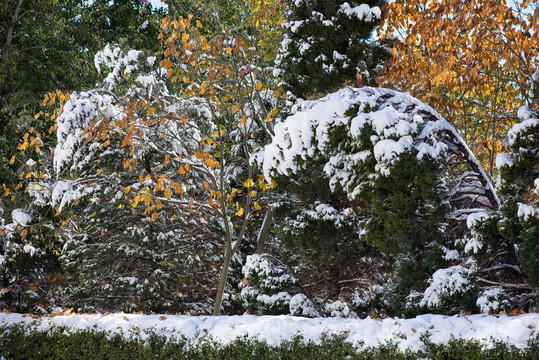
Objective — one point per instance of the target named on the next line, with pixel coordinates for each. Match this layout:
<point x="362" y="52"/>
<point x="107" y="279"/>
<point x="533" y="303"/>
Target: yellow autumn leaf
<point x="235" y="108"/>
<point x="248" y="183"/>
<point x="257" y="207"/>
<point x="243" y="119"/>
<point x="239" y="212"/>
<point x="12" y="160"/>
<point x="154" y="216"/>
<point x="167" y="193"/>
<point x="258" y="86"/>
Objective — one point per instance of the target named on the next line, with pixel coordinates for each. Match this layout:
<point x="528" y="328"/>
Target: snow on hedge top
<point x="274" y="330"/>
<point x="399" y="121"/>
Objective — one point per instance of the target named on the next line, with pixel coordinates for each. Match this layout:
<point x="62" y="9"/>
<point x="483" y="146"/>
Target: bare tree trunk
<point x="264" y="232"/>
<point x="14" y="18"/>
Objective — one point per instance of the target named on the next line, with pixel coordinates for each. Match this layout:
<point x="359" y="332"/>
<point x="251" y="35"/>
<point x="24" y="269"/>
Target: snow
<point x="387" y="150"/>
<point x="519" y="128"/>
<point x="400" y="123"/>
<point x="491" y="300"/>
<point x="300" y="305"/>
<point x="503" y="160"/>
<point x="527" y="211"/>
<point x="362" y="12"/>
<point x="406" y="333"/>
<point x="446" y="283"/>
<point x="21" y="217"/>
<point x="474" y="218"/>
<point x="327" y="212"/>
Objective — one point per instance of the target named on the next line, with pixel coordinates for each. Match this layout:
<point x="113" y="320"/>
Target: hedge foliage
<point x="18" y="342"/>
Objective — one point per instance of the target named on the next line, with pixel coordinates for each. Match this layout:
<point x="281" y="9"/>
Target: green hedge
<point x="18" y="342"/>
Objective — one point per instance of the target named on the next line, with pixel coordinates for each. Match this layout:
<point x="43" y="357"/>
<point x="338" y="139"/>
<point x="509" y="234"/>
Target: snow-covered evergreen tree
<point x="327" y="43"/>
<point x="506" y="240"/>
<point x="405" y="173"/>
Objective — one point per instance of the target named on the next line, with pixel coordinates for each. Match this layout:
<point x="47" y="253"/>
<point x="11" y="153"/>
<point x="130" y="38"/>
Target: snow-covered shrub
<point x="492" y="300"/>
<point x="450" y="290"/>
<point x="300" y="305"/>
<point x="509" y="236"/>
<point x="321" y="243"/>
<point x="267" y="286"/>
<point x="519" y="176"/>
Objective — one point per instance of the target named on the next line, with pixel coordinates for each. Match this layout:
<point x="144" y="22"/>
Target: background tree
<point x="329" y="43"/>
<point x="48" y="45"/>
<point x="472" y="61"/>
<point x="114" y="256"/>
<point x="231" y="73"/>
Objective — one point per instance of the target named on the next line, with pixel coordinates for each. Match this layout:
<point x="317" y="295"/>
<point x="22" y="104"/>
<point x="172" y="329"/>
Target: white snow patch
<point x="21" y="217"/>
<point x="362" y="12"/>
<point x="446" y="283"/>
<point x="527" y="211"/>
<point x="503" y="160"/>
<point x="405" y="333"/>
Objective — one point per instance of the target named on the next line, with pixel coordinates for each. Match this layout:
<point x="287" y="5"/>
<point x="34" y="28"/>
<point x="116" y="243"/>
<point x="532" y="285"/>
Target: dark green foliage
<point x="460" y="349"/>
<point x="407" y="206"/>
<point x="529" y="250"/>
<point x="313" y="32"/>
<point x="319" y="233"/>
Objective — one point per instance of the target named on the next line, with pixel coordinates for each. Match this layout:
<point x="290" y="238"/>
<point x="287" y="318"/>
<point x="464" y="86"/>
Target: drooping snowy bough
<point x="396" y="123"/>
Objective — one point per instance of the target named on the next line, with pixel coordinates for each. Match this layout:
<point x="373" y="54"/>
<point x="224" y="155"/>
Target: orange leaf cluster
<point x="471" y="60"/>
